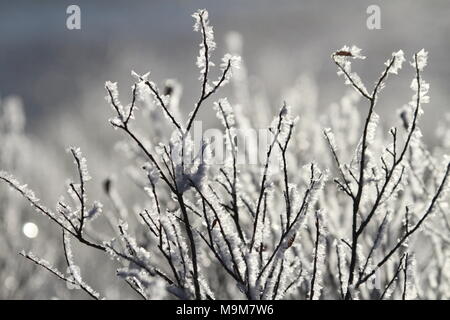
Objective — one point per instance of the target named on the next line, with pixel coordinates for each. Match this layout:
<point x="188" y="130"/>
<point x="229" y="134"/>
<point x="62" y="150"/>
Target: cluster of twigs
<point x="244" y="226"/>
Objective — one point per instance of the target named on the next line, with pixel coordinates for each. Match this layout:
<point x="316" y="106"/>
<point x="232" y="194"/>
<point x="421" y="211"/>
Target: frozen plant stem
<point x="389" y="172"/>
<point x="357" y="198"/>
<point x="316" y="250"/>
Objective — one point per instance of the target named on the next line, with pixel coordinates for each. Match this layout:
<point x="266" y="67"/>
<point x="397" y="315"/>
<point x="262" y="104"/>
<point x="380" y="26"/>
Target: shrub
<point x="327" y="214"/>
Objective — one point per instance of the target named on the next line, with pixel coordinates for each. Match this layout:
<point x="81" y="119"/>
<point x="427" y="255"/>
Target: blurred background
<point x="59" y="74"/>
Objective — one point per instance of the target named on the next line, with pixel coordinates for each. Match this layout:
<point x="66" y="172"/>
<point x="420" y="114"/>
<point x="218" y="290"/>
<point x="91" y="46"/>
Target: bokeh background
<point x="59" y="74"/>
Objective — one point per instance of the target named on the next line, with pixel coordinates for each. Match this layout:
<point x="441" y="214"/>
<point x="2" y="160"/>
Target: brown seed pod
<point x="262" y="247"/>
<point x="343" y="53"/>
<point x="290" y="241"/>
